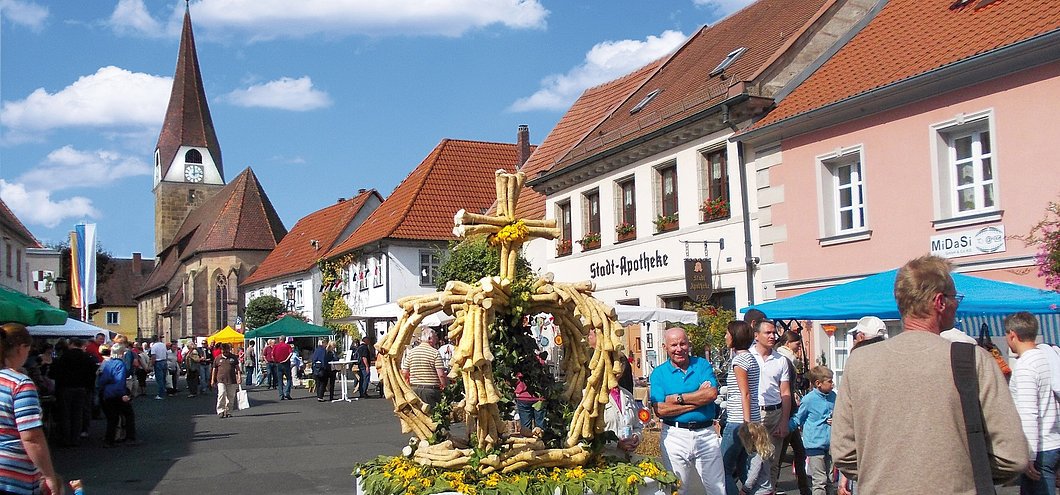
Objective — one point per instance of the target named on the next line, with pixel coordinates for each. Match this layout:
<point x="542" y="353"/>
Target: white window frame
<point x="117" y="318"/>
<point x="377" y="271"/>
<point x="362" y="274"/>
<point x="829" y="189"/>
<point x="433" y="263"/>
<point x="944" y="170"/>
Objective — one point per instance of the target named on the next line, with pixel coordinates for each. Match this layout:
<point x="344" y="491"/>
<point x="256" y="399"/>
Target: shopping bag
<point x="242" y="401"/>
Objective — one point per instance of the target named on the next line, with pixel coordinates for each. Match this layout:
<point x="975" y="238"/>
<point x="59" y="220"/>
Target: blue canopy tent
<point x="985" y="301"/>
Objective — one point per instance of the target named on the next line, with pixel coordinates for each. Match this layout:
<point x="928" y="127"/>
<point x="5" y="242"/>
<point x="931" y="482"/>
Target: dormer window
<point x="729" y="59"/>
<point x="643" y="103"/>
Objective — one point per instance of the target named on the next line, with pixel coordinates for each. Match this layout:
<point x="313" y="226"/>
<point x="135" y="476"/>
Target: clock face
<point x="193" y="173"/>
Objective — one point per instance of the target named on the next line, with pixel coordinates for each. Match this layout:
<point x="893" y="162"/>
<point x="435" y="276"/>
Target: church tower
<point x="187" y="167"/>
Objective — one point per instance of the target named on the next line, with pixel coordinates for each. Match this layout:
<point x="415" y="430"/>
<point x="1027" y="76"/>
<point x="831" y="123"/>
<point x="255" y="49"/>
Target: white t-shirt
<point x="1052" y="354"/>
<point x="773" y="369"/>
<point x="158" y="350"/>
<point x="1031" y="387"/>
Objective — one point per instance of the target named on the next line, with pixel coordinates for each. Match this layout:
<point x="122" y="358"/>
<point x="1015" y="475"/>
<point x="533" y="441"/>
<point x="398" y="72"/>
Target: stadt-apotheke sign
<point x="984" y="240"/>
<point x="627" y="266"/>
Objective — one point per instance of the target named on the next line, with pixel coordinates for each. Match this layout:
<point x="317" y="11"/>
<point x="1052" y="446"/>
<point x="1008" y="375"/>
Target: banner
<point x="86" y="240"/>
<point x="75" y="271"/>
<point x="698" y="280"/>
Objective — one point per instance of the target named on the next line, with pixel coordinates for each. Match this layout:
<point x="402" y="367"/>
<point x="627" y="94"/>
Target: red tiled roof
<point x="592" y="107"/>
<point x="122" y="281"/>
<point x="187" y="119"/>
<point x="295" y="253"/>
<point x="456" y="174"/>
<point x="911" y="37"/>
<point x="765" y="28"/>
<point x="239" y="217"/>
<point x="10" y="221"/>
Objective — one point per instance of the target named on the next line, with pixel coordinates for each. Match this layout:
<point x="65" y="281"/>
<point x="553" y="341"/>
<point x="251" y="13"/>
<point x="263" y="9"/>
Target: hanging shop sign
<point x="698" y="286"/>
<point x="985" y="240"/>
<point x="629" y="265"/>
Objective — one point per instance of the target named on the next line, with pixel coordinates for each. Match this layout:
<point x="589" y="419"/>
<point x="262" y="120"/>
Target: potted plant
<point x="626" y="231"/>
<point x="715" y="209"/>
<point x="563" y="247"/>
<point x="590" y="241"/>
<point x="666" y="223"/>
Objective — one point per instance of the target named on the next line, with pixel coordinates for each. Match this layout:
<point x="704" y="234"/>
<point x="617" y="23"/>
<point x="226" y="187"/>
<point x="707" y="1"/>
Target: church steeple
<point x="187" y="167"/>
<point x="188" y="125"/>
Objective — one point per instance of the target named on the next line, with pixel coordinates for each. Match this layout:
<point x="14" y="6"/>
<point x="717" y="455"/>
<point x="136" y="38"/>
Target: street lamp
<point x="288" y="292"/>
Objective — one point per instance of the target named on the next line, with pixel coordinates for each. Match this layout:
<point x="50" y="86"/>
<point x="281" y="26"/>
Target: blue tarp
<point x="874" y="296"/>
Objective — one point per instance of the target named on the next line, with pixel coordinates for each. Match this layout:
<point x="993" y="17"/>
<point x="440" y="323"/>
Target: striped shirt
<point x="1031" y="387"/>
<point x="423" y="363"/>
<point x="733" y="401"/>
<point x="19" y="411"/>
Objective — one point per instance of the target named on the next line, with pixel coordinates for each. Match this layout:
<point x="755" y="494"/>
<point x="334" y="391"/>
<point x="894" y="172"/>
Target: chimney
<point x="361" y="190"/>
<point x="137" y="265"/>
<point x="341" y="200"/>
<point x="523" y="143"/>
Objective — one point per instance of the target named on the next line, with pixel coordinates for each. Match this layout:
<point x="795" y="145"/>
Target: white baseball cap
<point x="871" y="326"/>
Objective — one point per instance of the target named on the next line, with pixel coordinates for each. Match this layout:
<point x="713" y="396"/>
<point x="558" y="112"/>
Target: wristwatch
<point x="681" y="399"/>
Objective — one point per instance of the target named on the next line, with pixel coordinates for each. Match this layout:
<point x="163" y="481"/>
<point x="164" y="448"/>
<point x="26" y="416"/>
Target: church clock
<point x="193" y="173"/>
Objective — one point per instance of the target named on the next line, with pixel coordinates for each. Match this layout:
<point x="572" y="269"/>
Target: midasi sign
<point x="969" y="242"/>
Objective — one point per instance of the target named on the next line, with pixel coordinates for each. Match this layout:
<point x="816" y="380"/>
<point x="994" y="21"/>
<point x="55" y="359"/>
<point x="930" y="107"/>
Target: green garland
<point x="401" y="475"/>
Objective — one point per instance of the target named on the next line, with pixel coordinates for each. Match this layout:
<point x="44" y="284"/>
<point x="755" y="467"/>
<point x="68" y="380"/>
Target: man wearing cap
<point x="869" y="330"/>
<point x="683" y="391"/>
<point x="898" y="425"/>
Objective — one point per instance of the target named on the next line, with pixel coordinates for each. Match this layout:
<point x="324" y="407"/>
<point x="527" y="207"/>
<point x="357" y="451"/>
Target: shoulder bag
<point x="966" y="378"/>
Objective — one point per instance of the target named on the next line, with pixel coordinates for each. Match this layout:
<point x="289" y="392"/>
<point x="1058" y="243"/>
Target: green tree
<point x="472" y="259"/>
<point x="333" y="306"/>
<point x="709" y="332"/>
<point x="264" y="310"/>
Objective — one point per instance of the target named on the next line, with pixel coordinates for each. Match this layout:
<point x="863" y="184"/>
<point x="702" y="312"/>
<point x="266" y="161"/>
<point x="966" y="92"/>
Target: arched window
<point x="222" y="301"/>
<point x="193" y="156"/>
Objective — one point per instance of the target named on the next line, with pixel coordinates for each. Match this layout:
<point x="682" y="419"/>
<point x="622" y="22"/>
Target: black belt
<point x="774" y="407"/>
<point x="698" y="425"/>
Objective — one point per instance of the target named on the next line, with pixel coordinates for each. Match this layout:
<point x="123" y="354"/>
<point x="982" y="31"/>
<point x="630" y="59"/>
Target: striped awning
<point x="1048" y="326"/>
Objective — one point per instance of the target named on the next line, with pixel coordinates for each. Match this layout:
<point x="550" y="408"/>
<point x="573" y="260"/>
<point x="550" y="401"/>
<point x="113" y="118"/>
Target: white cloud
<point x="35" y="206"/>
<point x="131" y="16"/>
<point x="285" y="94"/>
<point x="604" y="62"/>
<point x="83" y="169"/>
<point x="258" y="20"/>
<point x="27" y="14"/>
<point x="723" y="7"/>
<point x="112" y="97"/>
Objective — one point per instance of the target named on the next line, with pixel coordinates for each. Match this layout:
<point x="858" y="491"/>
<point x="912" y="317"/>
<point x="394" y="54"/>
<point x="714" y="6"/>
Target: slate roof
<point x="766" y="28"/>
<point x="456" y="174"/>
<point x="14" y="225"/>
<point x="239" y="217"/>
<point x="588" y="111"/>
<point x="188" y="120"/>
<point x="295" y="253"/>
<point x="123" y="282"/>
<point x="908" y="38"/>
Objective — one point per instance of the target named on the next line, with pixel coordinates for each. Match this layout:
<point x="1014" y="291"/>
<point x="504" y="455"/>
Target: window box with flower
<point x="626" y="232"/>
<point x="590" y="241"/>
<point x="715" y="209"/>
<point x="563" y="247"/>
<point x="666" y="223"/>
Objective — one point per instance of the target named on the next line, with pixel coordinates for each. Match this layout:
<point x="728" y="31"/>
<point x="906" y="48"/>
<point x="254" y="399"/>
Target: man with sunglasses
<point x="898" y="425"/>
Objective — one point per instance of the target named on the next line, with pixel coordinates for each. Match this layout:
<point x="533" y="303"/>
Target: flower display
<point x="715" y="208"/>
<point x="662" y="221"/>
<point x="1046" y="236"/>
<point x="514" y="232"/>
<point x="625" y="228"/>
<point x="590" y="239"/>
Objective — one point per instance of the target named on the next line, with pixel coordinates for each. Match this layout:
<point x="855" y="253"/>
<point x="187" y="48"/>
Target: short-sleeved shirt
<point x="158" y="350"/>
<point x="19" y="411"/>
<point x="423" y="363"/>
<point x="226" y="366"/>
<point x="733" y="401"/>
<point x="281" y="351"/>
<point x="773" y="369"/>
<point x="668" y="379"/>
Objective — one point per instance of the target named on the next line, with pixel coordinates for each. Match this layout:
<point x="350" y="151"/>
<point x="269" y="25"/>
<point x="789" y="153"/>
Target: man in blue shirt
<point x="683" y="391"/>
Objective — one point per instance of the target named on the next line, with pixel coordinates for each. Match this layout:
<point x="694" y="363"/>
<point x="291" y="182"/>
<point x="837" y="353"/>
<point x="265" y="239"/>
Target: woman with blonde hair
<point x="23" y="446"/>
<point x="759" y="446"/>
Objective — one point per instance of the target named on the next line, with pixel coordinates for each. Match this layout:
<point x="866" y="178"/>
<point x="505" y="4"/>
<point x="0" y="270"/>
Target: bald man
<point x="683" y="391"/>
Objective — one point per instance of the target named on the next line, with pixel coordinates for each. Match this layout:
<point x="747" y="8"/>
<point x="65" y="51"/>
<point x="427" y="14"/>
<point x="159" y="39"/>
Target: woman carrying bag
<point x="22" y="442"/>
<point x="322" y="373"/>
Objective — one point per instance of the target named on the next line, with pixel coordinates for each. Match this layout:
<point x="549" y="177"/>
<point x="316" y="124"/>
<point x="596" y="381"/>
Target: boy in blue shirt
<point x="815" y="418"/>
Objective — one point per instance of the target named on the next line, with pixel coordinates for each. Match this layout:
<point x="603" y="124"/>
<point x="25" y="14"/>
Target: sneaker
<point x="192" y="395"/>
<point x="158" y="397"/>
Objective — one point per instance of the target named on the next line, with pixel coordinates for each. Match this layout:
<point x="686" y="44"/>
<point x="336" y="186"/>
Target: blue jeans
<point x="204" y="378"/>
<point x="528" y="416"/>
<point x="160" y="377"/>
<point x="365" y="378"/>
<point x="733" y="457"/>
<point x="273" y="374"/>
<point x="250" y="375"/>
<point x="284" y="378"/>
<point x="1046" y="463"/>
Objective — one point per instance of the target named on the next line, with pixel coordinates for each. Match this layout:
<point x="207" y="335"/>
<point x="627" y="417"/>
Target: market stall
<point x="69" y="328"/>
<point x="19" y="308"/>
<point x="226" y="335"/>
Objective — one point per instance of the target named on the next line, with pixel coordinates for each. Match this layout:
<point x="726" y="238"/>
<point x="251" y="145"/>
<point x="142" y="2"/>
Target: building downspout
<point x="750" y="262"/>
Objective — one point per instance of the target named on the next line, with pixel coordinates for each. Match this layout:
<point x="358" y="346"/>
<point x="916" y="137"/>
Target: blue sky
<point x="319" y="97"/>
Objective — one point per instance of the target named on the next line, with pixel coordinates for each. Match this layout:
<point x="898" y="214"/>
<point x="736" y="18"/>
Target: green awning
<point x="288" y="326"/>
<point x="20" y="308"/>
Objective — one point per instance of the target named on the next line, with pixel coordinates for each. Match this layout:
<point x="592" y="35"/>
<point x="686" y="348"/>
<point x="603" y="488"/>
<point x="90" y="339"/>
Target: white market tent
<point x="391" y="311"/>
<point x="635" y="314"/>
<point x="72" y="328"/>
